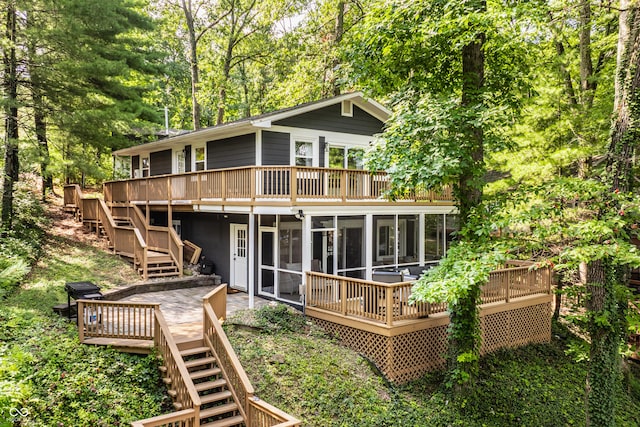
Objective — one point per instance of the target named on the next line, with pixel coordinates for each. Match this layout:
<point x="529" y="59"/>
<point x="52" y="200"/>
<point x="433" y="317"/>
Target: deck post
<point x="223" y="192"/>
<point x="294" y="184"/>
<point x="343" y="296"/>
<point x="80" y="319"/>
<point x="343" y="185"/>
<point x="508" y="286"/>
<point x="389" y="305"/>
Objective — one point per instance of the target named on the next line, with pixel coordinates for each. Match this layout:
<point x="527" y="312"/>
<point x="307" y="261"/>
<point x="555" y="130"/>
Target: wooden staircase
<point x="218" y="407"/>
<point x="127" y="231"/>
<point x="203" y="375"/>
<point x="159" y="264"/>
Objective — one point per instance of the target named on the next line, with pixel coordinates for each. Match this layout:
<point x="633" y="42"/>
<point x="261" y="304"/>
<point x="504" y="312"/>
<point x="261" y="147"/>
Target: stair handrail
<point x="175" y="246"/>
<point x="187" y="395"/>
<point x="140" y="253"/>
<point x="105" y="217"/>
<point x="232" y="370"/>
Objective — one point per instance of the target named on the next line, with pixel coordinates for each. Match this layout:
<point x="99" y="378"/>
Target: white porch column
<point x="251" y="261"/>
<point x="306" y="248"/>
<point x="421" y="238"/>
<point x="368" y="245"/>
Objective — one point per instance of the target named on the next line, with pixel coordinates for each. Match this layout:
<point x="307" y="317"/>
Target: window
<point x="180" y="162"/>
<point x="199" y="159"/>
<point x="145" y="166"/>
<point x="341" y="157"/>
<point x="304" y="153"/>
<point x="355" y="158"/>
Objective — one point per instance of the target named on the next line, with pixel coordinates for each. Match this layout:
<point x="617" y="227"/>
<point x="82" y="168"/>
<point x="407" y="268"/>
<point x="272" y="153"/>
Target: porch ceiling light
<point x="299" y="214"/>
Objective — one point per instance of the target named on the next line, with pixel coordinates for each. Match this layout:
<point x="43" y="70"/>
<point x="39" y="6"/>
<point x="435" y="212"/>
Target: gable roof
<point x="253" y="123"/>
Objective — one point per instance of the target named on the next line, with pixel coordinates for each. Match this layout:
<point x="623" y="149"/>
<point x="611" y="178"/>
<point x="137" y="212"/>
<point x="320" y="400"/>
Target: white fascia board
<point x="375" y="210"/>
<point x="273" y="210"/>
<point x="313" y="134"/>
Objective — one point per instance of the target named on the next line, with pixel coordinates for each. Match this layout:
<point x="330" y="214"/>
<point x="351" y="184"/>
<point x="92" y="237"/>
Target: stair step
<point x="215" y="397"/>
<point x="225" y="422"/>
<point x="166" y="380"/>
<point x="162" y="274"/>
<point x="162" y="368"/>
<point x="172" y="393"/>
<point x="178" y="406"/>
<point x="199" y="362"/>
<point x="208" y="385"/>
<point x="196" y="375"/>
<point x="192" y="351"/>
<point x="218" y="410"/>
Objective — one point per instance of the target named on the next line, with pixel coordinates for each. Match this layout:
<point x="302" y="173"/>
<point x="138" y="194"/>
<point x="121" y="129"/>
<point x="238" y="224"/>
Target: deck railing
<point x="186" y="394"/>
<point x="256" y="412"/>
<point x="116" y="319"/>
<point x="262" y="183"/>
<point x="186" y="417"/>
<point x="387" y="303"/>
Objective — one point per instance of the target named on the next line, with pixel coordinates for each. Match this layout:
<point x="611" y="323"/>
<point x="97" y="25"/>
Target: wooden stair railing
<point x="135" y="241"/>
<point x="255" y="412"/>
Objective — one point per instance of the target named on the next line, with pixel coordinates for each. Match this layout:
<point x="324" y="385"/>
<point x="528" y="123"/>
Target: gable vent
<point x="347" y="108"/>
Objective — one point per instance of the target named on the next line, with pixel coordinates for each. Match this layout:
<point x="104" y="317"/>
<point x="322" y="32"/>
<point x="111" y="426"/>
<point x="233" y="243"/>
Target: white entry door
<point x="239" y="248"/>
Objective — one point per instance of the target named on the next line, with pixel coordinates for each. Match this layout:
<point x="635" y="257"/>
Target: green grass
<point x="44" y="368"/>
<point x="313" y="377"/>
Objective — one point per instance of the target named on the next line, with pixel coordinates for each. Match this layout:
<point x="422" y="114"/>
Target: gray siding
<point x="331" y="119"/>
<point x="210" y="231"/>
<point x="323" y="145"/>
<point x="275" y="148"/>
<point x="160" y="163"/>
<point x="232" y="152"/>
<point x="187" y="158"/>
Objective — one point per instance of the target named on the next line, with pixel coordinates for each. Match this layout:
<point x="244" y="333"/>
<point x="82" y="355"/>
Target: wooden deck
<point x="267" y="186"/>
<point x="203" y="375"/>
<point x="407" y="340"/>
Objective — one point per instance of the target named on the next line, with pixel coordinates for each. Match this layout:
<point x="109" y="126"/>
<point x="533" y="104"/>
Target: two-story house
<point x="272" y="196"/>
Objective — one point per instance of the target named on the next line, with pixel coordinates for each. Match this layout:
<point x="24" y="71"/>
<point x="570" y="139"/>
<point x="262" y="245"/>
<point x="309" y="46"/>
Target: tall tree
<point x="433" y="57"/>
<point x="10" y="84"/>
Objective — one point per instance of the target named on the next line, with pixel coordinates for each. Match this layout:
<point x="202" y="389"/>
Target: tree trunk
<point x="604" y="356"/>
<point x="625" y="130"/>
<point x="193" y="63"/>
<point x="471" y="180"/>
<point x="338" y="33"/>
<point x="226" y="72"/>
<point x="11" y="162"/>
<point x="586" y="65"/>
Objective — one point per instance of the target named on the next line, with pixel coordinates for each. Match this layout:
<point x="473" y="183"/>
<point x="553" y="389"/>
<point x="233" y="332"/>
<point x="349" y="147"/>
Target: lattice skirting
<point x="406" y="357"/>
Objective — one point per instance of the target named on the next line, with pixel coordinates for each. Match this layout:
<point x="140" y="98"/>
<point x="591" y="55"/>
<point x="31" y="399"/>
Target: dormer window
<point x="347" y="108"/>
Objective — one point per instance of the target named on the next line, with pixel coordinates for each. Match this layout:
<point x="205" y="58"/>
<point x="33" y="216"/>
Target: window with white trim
<point x="304" y="153"/>
<point x="145" y="166"/>
<point x="199" y="158"/>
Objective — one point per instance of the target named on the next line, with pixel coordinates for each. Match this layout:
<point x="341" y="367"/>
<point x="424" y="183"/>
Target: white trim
<point x="293" y="138"/>
<point x="232" y="267"/>
<point x="258" y="147"/>
<point x="368" y="244"/>
<point x="346" y="108"/>
<point x="194" y="149"/>
<point x="335" y="137"/>
<point x="251" y="260"/>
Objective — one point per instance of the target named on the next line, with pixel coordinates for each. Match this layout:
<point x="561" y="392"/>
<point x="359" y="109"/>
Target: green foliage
<point x="278" y="319"/>
<point x="324" y="384"/>
<point x="21" y="245"/>
<point x="43" y="368"/>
